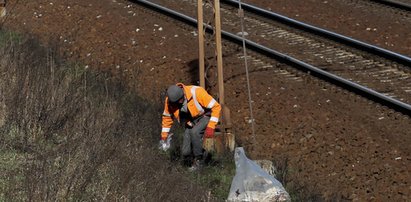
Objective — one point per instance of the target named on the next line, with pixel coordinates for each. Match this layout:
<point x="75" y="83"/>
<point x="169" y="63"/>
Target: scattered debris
<point x="242" y="33"/>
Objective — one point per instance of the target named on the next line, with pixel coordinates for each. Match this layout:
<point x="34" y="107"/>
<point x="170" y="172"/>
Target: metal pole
<point x="200" y="42"/>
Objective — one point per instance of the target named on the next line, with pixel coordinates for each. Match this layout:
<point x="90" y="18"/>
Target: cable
<point x="241" y="13"/>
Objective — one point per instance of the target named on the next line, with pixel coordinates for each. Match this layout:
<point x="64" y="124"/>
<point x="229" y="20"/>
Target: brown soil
<point x="339" y="145"/>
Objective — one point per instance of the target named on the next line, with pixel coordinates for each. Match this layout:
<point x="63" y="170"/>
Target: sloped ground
<point x="336" y="144"/>
<point x="72" y="134"/>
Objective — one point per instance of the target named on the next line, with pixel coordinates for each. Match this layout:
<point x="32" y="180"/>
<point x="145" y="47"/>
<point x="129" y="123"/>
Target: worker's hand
<point x="209" y="132"/>
<point x="166" y="142"/>
<point x="163" y="145"/>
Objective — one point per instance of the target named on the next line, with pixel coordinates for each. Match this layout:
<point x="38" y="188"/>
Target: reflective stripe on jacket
<point x="198" y="102"/>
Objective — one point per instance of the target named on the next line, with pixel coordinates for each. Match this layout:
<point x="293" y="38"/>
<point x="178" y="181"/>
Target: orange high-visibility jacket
<point x="198" y="102"/>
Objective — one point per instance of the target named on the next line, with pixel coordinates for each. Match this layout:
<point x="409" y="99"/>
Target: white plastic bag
<point x="252" y="183"/>
<point x="165" y="144"/>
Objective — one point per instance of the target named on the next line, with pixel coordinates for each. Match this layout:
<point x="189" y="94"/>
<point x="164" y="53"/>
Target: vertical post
<point x="200" y="26"/>
<point x="219" y="51"/>
<point x="225" y="135"/>
<point x="229" y="137"/>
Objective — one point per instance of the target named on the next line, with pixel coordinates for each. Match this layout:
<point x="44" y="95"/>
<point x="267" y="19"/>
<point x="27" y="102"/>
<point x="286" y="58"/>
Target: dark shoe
<point x="187" y="161"/>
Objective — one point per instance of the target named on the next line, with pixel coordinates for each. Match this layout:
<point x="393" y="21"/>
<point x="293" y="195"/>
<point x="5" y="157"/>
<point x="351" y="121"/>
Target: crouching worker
<point x="194" y="107"/>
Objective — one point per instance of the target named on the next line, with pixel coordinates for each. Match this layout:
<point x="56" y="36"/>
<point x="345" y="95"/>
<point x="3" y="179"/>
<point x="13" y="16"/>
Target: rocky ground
<point x="375" y="25"/>
<point x="338" y="144"/>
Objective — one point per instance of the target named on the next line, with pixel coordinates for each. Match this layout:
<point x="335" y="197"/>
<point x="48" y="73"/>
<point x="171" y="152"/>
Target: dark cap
<point x="174" y="93"/>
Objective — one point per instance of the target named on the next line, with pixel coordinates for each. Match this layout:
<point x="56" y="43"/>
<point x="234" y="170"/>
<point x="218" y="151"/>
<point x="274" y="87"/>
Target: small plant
<point x="9" y="37"/>
<point x="217" y="175"/>
<point x="12" y="160"/>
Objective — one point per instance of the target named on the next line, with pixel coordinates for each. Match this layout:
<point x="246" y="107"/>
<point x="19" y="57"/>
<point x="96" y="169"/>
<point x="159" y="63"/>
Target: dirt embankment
<point x="339" y="144"/>
<point x="71" y="133"/>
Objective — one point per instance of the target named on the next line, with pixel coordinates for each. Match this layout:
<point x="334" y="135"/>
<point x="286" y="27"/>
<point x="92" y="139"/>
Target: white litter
<point x="241" y="33"/>
<point x="165" y="144"/>
<point x="252" y="183"/>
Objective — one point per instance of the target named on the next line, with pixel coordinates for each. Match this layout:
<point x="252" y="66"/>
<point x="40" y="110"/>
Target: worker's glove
<point x="209" y="132"/>
<point x="164" y="136"/>
<point x="165" y="142"/>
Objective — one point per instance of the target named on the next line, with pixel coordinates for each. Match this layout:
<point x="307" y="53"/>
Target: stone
<point x="2" y="11"/>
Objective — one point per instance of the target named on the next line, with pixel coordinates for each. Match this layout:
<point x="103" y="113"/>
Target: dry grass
<point x="68" y="133"/>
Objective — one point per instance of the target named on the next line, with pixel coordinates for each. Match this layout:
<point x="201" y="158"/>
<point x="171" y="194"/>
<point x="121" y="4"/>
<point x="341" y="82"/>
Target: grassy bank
<point x="64" y="129"/>
<point x="70" y="133"/>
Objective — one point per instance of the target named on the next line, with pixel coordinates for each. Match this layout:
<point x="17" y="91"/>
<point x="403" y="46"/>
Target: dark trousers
<point x="193" y="137"/>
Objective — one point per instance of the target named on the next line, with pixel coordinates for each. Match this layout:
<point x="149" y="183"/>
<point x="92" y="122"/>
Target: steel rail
<point x="395" y="4"/>
<point x="405" y="60"/>
<point x="344" y="83"/>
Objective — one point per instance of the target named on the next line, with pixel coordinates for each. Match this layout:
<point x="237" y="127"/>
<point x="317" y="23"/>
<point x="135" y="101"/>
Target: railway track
<point x="402" y="8"/>
<point x="375" y="73"/>
<point x="394" y="4"/>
